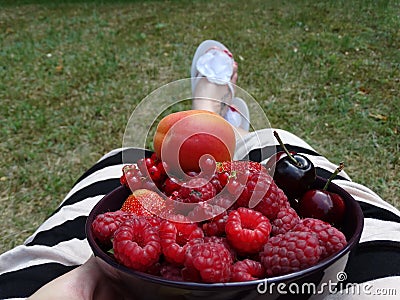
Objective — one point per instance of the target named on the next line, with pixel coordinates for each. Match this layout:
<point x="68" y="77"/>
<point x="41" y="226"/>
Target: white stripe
<point x="116" y="151"/>
<point x="110" y="172"/>
<point x="69" y="253"/>
<point x="111" y="153"/>
<point x="378" y="230"/>
<point x="264" y="138"/>
<point x="323" y="163"/>
<point x="363" y="194"/>
<point x="66" y="213"/>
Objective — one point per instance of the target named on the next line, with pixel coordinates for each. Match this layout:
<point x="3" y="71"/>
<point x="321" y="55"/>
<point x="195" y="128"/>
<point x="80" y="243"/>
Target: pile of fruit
<point x="230" y="221"/>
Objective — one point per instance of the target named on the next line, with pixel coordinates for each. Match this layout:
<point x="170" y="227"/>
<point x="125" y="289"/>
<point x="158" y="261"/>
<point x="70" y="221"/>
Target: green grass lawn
<point x="71" y="74"/>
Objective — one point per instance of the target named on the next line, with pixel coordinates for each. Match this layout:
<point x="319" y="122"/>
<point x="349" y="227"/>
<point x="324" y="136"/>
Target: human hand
<point x="85" y="282"/>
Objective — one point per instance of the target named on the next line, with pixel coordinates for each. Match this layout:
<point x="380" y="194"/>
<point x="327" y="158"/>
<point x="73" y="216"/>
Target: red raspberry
<point x="290" y="252"/>
<point x="285" y="220"/>
<point x="237" y="175"/>
<point x="239" y="166"/>
<point x="204" y="211"/>
<point x="136" y="244"/>
<point x="154" y="221"/>
<point x="175" y="237"/>
<point x="210" y="262"/>
<point x="330" y="238"/>
<point x="258" y="191"/>
<point x="246" y="270"/>
<point x="223" y="200"/>
<point x="223" y="241"/>
<point x="218" y="185"/>
<point x="272" y="199"/>
<point x="171" y="272"/>
<point x="154" y="269"/>
<point x="247" y="230"/>
<point x="104" y="225"/>
<point x="283" y="200"/>
<point x="196" y="190"/>
<point x="216" y="226"/>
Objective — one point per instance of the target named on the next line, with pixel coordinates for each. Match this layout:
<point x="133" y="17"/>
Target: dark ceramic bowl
<point x="315" y="281"/>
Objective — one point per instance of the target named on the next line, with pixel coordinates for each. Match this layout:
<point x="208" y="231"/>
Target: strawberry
<point x="144" y="202"/>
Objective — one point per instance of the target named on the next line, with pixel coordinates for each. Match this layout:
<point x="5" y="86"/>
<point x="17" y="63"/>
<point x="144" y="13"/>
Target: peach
<point x="182" y="138"/>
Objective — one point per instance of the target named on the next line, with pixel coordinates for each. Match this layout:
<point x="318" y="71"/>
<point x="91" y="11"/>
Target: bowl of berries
<point x="228" y="233"/>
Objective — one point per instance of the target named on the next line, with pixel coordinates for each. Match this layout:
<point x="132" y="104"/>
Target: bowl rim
<point x="323" y="264"/>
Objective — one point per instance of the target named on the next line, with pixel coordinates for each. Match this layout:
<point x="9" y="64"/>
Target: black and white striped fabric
<point x="59" y="244"/>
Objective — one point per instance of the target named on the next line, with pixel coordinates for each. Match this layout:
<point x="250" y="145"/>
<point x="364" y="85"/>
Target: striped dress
<point x="59" y="244"/>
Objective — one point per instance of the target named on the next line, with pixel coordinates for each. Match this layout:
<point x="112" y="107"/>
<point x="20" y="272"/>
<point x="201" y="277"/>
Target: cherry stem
<point x="337" y="171"/>
<point x="286" y="150"/>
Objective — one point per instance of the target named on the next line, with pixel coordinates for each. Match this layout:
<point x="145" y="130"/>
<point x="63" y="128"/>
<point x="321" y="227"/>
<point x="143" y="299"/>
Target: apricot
<point x="182" y="138"/>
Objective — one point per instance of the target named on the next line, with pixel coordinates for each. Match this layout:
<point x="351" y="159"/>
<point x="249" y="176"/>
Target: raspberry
<point x="175" y="237"/>
<point x="196" y="190"/>
<point x="330" y="238"/>
<point x="104" y="225"/>
<point x="223" y="200"/>
<point x="285" y="220"/>
<point x="246" y="270"/>
<point x="204" y="211"/>
<point x="209" y="262"/>
<point x="154" y="269"/>
<point x="218" y="185"/>
<point x="136" y="244"/>
<point x="171" y="272"/>
<point x="216" y="226"/>
<point x="283" y="200"/>
<point x="272" y="199"/>
<point x="290" y="252"/>
<point x="239" y="166"/>
<point x="259" y="191"/>
<point x="154" y="221"/>
<point x="223" y="241"/>
<point x="247" y="230"/>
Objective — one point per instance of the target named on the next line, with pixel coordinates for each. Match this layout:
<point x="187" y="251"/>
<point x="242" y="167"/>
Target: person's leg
<point x="59" y="245"/>
<point x="214" y="76"/>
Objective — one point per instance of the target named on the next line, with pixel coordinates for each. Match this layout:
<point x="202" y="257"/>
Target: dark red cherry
<point x="270" y="165"/>
<point x="322" y="204"/>
<point x="294" y="173"/>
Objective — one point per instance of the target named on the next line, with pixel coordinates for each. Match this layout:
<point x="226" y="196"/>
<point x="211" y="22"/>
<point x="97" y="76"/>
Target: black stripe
<point x="130" y="155"/>
<point x="66" y="231"/>
<point x="23" y="283"/>
<point x="102" y="187"/>
<point x="326" y="174"/>
<point x="371" y="211"/>
<point x="373" y="260"/>
<point x="261" y="154"/>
